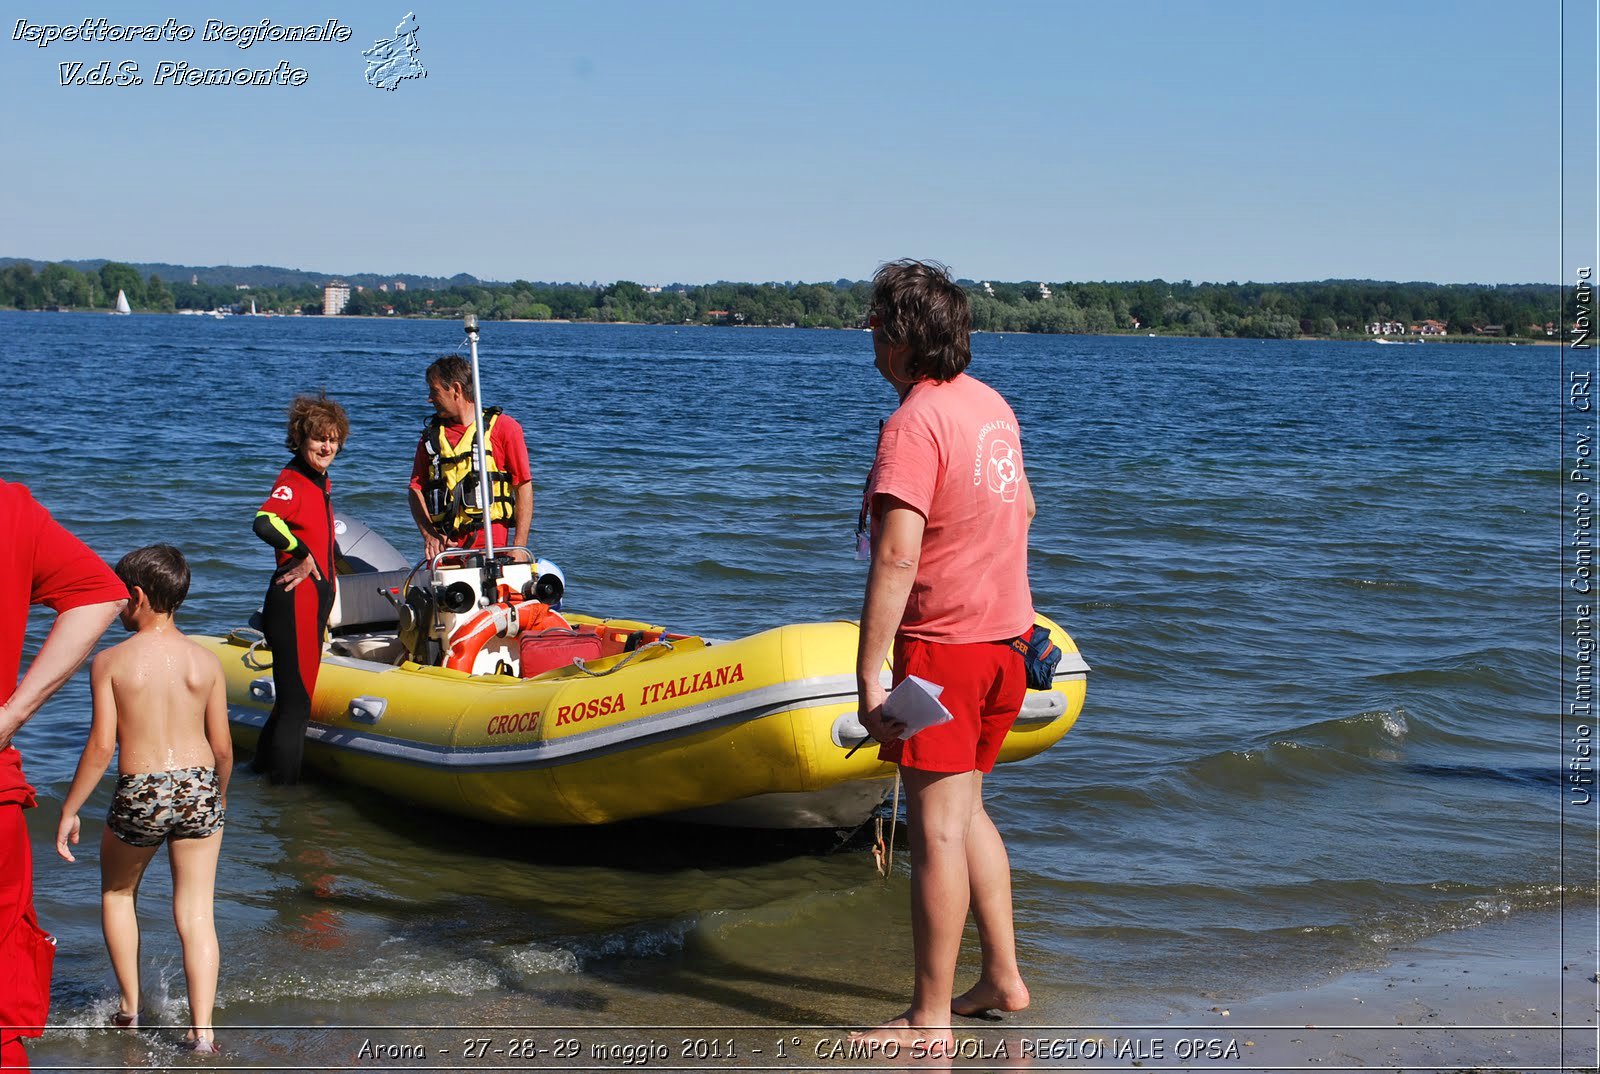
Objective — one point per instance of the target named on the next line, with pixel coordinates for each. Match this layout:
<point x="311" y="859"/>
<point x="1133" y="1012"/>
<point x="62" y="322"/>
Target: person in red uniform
<point x="950" y="508"/>
<point x="297" y="521"/>
<point x="40" y="563"/>
<point x="444" y="483"/>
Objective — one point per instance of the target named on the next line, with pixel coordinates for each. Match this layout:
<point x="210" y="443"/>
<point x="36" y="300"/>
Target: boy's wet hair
<point x="452" y="369"/>
<point x="158" y="569"/>
<point x="920" y="306"/>
<point x="312" y="414"/>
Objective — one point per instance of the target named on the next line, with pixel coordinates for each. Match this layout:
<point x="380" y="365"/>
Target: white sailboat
<point x="122" y="303"/>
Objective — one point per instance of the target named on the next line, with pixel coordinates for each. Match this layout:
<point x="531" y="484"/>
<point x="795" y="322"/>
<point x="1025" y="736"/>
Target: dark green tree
<point x="115" y="276"/>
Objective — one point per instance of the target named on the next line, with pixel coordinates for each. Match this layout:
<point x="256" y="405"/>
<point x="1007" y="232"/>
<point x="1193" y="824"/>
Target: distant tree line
<point x="258" y="277"/>
<point x="62" y="287"/>
<point x="1254" y="310"/>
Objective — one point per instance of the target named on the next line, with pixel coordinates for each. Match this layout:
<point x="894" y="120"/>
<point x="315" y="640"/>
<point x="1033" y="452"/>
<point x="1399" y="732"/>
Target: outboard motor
<point x="370" y="572"/>
<point x="363" y="550"/>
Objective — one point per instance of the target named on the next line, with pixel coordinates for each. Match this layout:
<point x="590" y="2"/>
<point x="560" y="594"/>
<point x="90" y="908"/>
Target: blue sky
<point x="693" y="141"/>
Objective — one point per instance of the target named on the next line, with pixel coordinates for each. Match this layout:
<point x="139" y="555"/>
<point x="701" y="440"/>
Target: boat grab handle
<point x="367" y="709"/>
<point x="627" y="658"/>
<point x="849" y="732"/>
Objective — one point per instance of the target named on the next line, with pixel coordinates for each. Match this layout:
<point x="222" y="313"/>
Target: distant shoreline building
<point x="335" y="296"/>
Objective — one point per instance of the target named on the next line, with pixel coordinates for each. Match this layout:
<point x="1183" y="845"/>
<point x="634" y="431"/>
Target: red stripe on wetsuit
<point x="294" y="620"/>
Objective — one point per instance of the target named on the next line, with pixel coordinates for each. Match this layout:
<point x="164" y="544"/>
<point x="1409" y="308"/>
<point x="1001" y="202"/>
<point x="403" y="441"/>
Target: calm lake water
<point x="1316" y="583"/>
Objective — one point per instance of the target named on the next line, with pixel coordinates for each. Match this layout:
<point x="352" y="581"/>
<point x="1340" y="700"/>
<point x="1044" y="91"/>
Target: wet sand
<point x="1490" y="998"/>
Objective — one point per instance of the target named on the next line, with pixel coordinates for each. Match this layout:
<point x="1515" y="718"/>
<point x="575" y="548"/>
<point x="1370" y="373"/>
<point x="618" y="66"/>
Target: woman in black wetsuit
<point x="297" y="521"/>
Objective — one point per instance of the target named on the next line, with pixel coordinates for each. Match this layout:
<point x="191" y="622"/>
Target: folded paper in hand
<point x="915" y="703"/>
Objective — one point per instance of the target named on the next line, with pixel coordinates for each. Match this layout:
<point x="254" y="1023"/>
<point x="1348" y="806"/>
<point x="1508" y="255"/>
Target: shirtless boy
<point x="159" y="701"/>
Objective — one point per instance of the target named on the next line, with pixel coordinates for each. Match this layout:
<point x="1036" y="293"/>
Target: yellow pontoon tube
<point x="752" y="732"/>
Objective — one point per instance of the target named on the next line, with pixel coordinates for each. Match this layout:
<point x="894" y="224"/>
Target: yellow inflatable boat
<point x="753" y="732"/>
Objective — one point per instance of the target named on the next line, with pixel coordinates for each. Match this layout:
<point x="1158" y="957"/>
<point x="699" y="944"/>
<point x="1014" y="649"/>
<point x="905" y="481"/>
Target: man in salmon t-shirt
<point x="949" y="506"/>
<point x="40" y="563"/>
<point x="444" y="490"/>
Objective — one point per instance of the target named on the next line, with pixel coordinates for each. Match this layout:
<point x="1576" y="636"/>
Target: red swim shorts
<point x="984" y="684"/>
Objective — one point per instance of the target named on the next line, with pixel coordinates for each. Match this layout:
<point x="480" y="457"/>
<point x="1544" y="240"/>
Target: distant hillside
<point x="1339" y="309"/>
<point x="259" y="275"/>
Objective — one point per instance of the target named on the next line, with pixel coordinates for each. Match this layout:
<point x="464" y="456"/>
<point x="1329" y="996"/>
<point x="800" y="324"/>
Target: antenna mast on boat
<point x="471" y="322"/>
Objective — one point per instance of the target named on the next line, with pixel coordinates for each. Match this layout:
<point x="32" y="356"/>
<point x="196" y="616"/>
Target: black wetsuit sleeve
<point x="272" y="529"/>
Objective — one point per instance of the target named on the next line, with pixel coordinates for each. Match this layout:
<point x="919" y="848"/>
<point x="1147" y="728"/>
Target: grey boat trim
<point x="691" y="719"/>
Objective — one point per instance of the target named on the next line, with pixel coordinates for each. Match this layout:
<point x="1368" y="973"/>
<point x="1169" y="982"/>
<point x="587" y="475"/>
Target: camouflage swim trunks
<point x="149" y="806"/>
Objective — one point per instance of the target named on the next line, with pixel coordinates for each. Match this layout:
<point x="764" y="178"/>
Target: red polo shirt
<point x="40" y="563"/>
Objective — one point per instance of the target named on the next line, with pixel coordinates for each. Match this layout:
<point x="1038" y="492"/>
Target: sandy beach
<point x="1499" y="997"/>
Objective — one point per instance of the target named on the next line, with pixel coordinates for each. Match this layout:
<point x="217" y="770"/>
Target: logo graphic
<point x="391" y="62"/>
<point x="283" y="492"/>
<point x="1005" y="470"/>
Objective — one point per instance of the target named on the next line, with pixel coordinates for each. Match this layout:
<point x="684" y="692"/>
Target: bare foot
<point x="987" y="996"/>
<point x="202" y="1045"/>
<point x="899" y="1039"/>
<point x="123" y="1020"/>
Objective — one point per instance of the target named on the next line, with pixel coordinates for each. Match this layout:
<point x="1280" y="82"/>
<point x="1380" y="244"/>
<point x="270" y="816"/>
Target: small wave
<point x="1389" y="926"/>
<point x="1323" y="748"/>
<point x="642" y="941"/>
<point x="710" y="568"/>
<point x="538" y="959"/>
<point x="1496" y="669"/>
<point x="404" y="976"/>
<point x="1256" y="770"/>
<point x="1193" y="574"/>
<point x="402" y="970"/>
<point x="1396" y="585"/>
<point x="572" y="955"/>
<point x="1451" y="906"/>
<point x="1373" y="728"/>
<point x="1526" y="775"/>
<point x="88" y="1017"/>
<point x="1347" y="923"/>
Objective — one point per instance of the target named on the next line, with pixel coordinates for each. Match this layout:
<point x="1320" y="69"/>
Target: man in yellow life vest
<point x="444" y="483"/>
